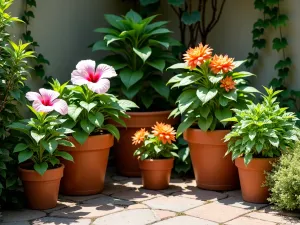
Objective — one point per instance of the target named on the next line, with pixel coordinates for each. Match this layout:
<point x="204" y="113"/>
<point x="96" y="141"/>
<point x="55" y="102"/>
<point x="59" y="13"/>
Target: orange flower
<point x="164" y="132"/>
<point x="139" y="136"/>
<point x="196" y="56"/>
<point x="227" y="83"/>
<point x="221" y="63"/>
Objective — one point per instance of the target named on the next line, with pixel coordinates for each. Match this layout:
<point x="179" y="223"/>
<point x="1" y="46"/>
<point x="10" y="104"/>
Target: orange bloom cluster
<point x="196" y="56"/>
<point x="221" y="63"/>
<point x="139" y="136"/>
<point x="164" y="132"/>
<point x="227" y="83"/>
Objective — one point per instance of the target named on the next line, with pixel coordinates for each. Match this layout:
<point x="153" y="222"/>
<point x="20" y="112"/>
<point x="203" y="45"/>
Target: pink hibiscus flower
<point x="46" y="101"/>
<point x="95" y="78"/>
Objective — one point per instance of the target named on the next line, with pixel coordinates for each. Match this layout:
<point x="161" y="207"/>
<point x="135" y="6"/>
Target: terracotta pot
<point x="41" y="192"/>
<point x="86" y="175"/>
<point x="126" y="163"/>
<point x="212" y="170"/>
<point x="156" y="173"/>
<point x="252" y="177"/>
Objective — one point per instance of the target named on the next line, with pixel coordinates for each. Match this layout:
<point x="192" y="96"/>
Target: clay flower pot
<point x="41" y="192"/>
<point x="252" y="177"/>
<point x="126" y="163"/>
<point x="86" y="175"/>
<point x="156" y="173"/>
<point x="212" y="170"/>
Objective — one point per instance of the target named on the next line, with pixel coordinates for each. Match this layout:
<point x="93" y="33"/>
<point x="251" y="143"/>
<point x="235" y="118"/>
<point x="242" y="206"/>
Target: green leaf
<point x="20" y="147"/>
<point x="148" y="2"/>
<point x="248" y="158"/>
<point x="184" y="153"/>
<point x="279" y="44"/>
<point x="74" y="111"/>
<point x="107" y="31"/>
<point x="147" y="100"/>
<point x="80" y="135"/>
<point x="159" y="43"/>
<point x="24" y="155"/>
<point x="144" y="53"/>
<point x="179" y="66"/>
<point x="186" y="99"/>
<point x="259" y="43"/>
<point x="158" y="64"/>
<point x="50" y="146"/>
<point x="54" y="161"/>
<point x="135" y="17"/>
<point x="96" y="118"/>
<point x="283" y="63"/>
<point x="223" y="101"/>
<point x="64" y="155"/>
<point x="248" y="89"/>
<point x="215" y="79"/>
<point x="102" y="45"/>
<point x="11" y="181"/>
<point x="87" y="126"/>
<point x="177" y="3"/>
<point x="206" y="95"/>
<point x="190" y="18"/>
<point x="129" y="77"/>
<point x="64" y="130"/>
<point x="204" y="123"/>
<point x="188" y="80"/>
<point x="131" y="92"/>
<point x="204" y="111"/>
<point x="232" y="95"/>
<point x="114" y="20"/>
<point x="184" y="125"/>
<point x="88" y="106"/>
<point x="126" y="104"/>
<point x="41" y="168"/>
<point x="160" y="86"/>
<point x="117" y="61"/>
<point x="274" y="142"/>
<point x="223" y="114"/>
<point x="113" y="130"/>
<point x="66" y="143"/>
<point x="36" y="136"/>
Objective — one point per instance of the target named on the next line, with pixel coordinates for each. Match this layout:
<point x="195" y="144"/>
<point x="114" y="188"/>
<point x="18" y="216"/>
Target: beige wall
<point x="64" y="28"/>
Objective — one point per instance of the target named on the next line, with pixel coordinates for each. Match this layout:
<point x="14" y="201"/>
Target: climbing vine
<point x="272" y="17"/>
<point x="39" y="61"/>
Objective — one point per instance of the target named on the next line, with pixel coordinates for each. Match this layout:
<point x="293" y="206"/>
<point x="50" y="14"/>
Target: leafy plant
<point x="211" y="89"/>
<point x="157" y="145"/>
<point x="91" y="110"/>
<point x="13" y="74"/>
<point x="274" y="18"/>
<point x="284" y="181"/>
<point x="183" y="163"/>
<point x="140" y="53"/>
<point x="43" y="134"/>
<point x="263" y="130"/>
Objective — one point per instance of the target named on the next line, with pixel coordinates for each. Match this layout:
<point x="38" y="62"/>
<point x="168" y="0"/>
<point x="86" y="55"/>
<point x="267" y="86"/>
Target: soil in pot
<point x="126" y="163"/>
<point x="41" y="192"/>
<point x="212" y="170"/>
<point x="156" y="173"/>
<point x="252" y="177"/>
<point x="87" y="174"/>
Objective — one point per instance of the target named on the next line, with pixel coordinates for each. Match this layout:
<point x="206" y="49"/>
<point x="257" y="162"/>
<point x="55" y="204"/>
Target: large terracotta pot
<point x="212" y="170"/>
<point x="156" y="173"/>
<point x="86" y="175"/>
<point x="41" y="192"/>
<point x="126" y="163"/>
<point x="252" y="177"/>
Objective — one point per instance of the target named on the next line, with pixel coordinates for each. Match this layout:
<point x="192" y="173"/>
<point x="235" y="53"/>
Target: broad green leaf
<point x="80" y="135"/>
<point x="64" y="155"/>
<point x="147" y="100"/>
<point x="54" y="161"/>
<point x="177" y="3"/>
<point x="248" y="89"/>
<point x="223" y="114"/>
<point x="204" y="123"/>
<point x="184" y="125"/>
<point x="129" y="77"/>
<point x="206" y="95"/>
<point x="24" y="155"/>
<point x="252" y="135"/>
<point x="238" y="63"/>
<point x="148" y="2"/>
<point x="179" y="66"/>
<point x="232" y="95"/>
<point x="155" y="25"/>
<point x="114" y="20"/>
<point x="66" y="143"/>
<point x="20" y="127"/>
<point x="107" y="31"/>
<point x="20" y="147"/>
<point x="87" y="126"/>
<point x="113" y="130"/>
<point x="88" y="106"/>
<point x="274" y="142"/>
<point x="159" y="43"/>
<point x="157" y="64"/>
<point x="126" y="104"/>
<point x="160" y="86"/>
<point x="74" y="111"/>
<point x="248" y="158"/>
<point x="41" y="168"/>
<point x="223" y="101"/>
<point x="131" y="92"/>
<point x="117" y="61"/>
<point x="177" y="78"/>
<point x="215" y="79"/>
<point x="186" y="99"/>
<point x="102" y="45"/>
<point x="36" y="136"/>
<point x="64" y="130"/>
<point x="11" y="181"/>
<point x="159" y="31"/>
<point x="184" y="153"/>
<point x="242" y="74"/>
<point x="188" y="80"/>
<point x="135" y="17"/>
<point x="50" y="146"/>
<point x="204" y="111"/>
<point x="111" y="38"/>
<point x="190" y="18"/>
<point x="144" y="53"/>
<point x="96" y="118"/>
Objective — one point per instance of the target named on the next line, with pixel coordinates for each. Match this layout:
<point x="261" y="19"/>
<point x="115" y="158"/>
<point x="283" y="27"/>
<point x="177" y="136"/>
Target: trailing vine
<point x="39" y="61"/>
<point x="272" y="17"/>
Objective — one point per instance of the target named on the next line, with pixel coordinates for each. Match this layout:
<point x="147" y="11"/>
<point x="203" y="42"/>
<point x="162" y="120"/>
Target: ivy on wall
<point x="272" y="17"/>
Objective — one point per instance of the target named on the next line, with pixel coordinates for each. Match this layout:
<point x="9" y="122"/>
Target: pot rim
<point x="150" y="113"/>
<point x="62" y="166"/>
<point x="157" y="160"/>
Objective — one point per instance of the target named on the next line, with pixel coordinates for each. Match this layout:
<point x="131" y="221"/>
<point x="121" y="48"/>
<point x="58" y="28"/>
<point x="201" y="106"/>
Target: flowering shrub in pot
<point x="261" y="133"/>
<point x="212" y="87"/>
<point x="156" y="155"/>
<point x="40" y="169"/>
<point x="89" y="112"/>
<point x="140" y="52"/>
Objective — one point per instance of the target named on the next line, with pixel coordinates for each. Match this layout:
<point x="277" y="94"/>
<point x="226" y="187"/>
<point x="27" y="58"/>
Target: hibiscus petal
<point x="39" y="107"/>
<point x="100" y="87"/>
<point x="33" y="96"/>
<point x="78" y="77"/>
<point x="86" y="65"/>
<point x="60" y="106"/>
<point x="106" y="71"/>
<point x="48" y="94"/>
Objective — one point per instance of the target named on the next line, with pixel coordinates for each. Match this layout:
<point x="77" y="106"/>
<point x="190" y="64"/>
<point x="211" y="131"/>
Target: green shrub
<point x="284" y="181"/>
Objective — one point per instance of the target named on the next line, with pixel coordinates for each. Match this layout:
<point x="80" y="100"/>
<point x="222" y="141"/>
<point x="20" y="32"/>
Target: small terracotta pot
<point x="252" y="177"/>
<point x="212" y="170"/>
<point x="156" y="173"/>
<point x="87" y="174"/>
<point x="41" y="192"/>
<point x="126" y="163"/>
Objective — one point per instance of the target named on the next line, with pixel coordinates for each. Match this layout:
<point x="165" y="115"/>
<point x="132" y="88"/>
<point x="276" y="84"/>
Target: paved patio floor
<point x="124" y="202"/>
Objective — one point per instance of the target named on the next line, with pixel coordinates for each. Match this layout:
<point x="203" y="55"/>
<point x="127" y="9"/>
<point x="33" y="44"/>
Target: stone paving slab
<point x="249" y="221"/>
<point x="173" y="203"/>
<point x="128" y="217"/>
<point x="60" y="221"/>
<point x="238" y="201"/>
<point x="79" y="198"/>
<point x="185" y="220"/>
<point x="16" y="223"/>
<point x="21" y="215"/>
<point x="114" y="187"/>
<point x="107" y="200"/>
<point x="274" y="218"/>
<point x="200" y="194"/>
<point x="137" y="195"/>
<point x="163" y="214"/>
<point x="60" y="205"/>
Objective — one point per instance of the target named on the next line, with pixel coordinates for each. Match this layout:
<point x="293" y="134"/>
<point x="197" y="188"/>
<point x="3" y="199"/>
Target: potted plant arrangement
<point x="261" y="133"/>
<point x="211" y="89"/>
<point x="40" y="169"/>
<point x="156" y="155"/>
<point x="90" y="109"/>
<point x="140" y="55"/>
